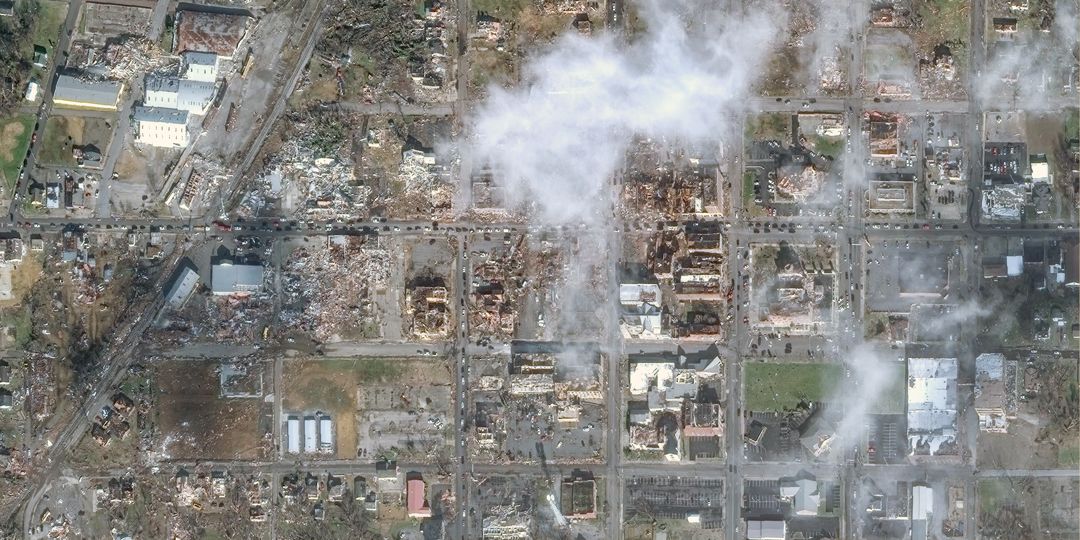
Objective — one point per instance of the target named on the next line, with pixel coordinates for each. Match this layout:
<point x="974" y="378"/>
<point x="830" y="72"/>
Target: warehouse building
<point x="160" y="127"/>
<point x="184" y="284"/>
<point x="73" y="93"/>
<point x="293" y="443"/>
<point x="228" y="278"/>
<point x="310" y="437"/>
<point x="192" y="96"/>
<point x="200" y="66"/>
<point x="326" y="434"/>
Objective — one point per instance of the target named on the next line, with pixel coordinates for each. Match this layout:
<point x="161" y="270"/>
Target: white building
<point x="766" y="530"/>
<point x="32" y="89"/>
<point x="186" y="281"/>
<point x="310" y="437"/>
<point x="326" y="434"/>
<point x="192" y="96"/>
<point x="931" y="404"/>
<point x="294" y="435"/>
<point x="229" y="278"/>
<point x="164" y="128"/>
<point x="200" y="66"/>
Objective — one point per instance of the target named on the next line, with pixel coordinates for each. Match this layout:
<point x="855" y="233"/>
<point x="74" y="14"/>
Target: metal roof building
<point x="158" y="126"/>
<point x="74" y="93"/>
<point x="931" y="403"/>
<point x="185" y="282"/>
<point x="229" y="278"/>
<point x="192" y="96"/>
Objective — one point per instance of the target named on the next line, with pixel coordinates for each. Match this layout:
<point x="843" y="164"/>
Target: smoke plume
<point x="556" y="141"/>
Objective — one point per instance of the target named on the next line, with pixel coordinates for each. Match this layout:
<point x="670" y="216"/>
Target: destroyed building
<point x="996" y="392"/>
<point x="675" y="405"/>
<point x="427" y="308"/>
<point x="641" y="315"/>
<point x="932" y="406"/>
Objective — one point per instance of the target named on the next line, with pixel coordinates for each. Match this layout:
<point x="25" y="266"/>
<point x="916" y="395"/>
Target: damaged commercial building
<point x="996" y="395"/>
<point x="675" y="404"/>
<point x="931" y="410"/>
<point x="641" y="317"/>
<point x="228" y="278"/>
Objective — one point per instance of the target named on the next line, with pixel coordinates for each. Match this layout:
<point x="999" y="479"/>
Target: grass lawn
<point x="769" y="126"/>
<point x="829" y="146"/>
<point x="504" y="9"/>
<point x="748" y="186"/>
<point x="775" y="387"/>
<point x="992" y="493"/>
<point x="1072" y="124"/>
<point x="64" y="132"/>
<point x="945" y="20"/>
<point x="50" y="21"/>
<point x="14" y="139"/>
<point x="1069" y="455"/>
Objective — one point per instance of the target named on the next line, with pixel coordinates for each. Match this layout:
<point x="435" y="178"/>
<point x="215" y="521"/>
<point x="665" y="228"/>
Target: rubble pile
<point x="427" y="314"/>
<point x="326" y="187"/>
<point x="937" y="76"/>
<point x="496" y="291"/>
<point x="130" y="57"/>
<point x="237" y="317"/>
<point x="41" y="385"/>
<point x="408" y="47"/>
<point x="830" y="74"/>
<point x="798" y="183"/>
<point x="662" y="182"/>
<point x="329" y="289"/>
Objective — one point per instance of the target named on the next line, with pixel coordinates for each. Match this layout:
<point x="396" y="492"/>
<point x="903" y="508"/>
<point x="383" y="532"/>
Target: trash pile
<point x="496" y="291"/>
<point x="329" y="289"/>
<point x="130" y="57"/>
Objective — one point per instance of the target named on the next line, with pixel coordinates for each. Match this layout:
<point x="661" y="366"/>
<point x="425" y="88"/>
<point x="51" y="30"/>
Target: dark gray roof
<point x="160" y="114"/>
<point x="69" y="88"/>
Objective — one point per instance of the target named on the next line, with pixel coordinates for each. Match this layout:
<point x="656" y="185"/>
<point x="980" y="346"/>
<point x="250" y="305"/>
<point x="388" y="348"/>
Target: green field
<point x="776" y="387"/>
<point x="769" y="126"/>
<point x="504" y="9"/>
<point x="63" y="133"/>
<point x="50" y="20"/>
<point x="945" y="20"/>
<point x="14" y="139"/>
<point x="992" y="493"/>
<point x="829" y="146"/>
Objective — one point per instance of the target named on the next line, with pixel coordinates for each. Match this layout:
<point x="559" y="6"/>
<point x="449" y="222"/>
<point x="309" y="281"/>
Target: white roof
<point x="228" y="278"/>
<point x="643" y="375"/>
<point x="182" y="287"/>
<point x="922" y="502"/>
<point x="639" y="293"/>
<point x="1014" y="265"/>
<point x="990" y="365"/>
<point x="931" y="401"/>
<point x="766" y="530"/>
<point x="804" y="495"/>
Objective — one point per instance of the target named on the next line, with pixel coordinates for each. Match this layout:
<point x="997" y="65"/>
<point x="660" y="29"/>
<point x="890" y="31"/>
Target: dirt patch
<point x="14" y="139"/>
<point x="196" y="423"/>
<point x="9" y="136"/>
<point x="330" y="386"/>
<point x="64" y="133"/>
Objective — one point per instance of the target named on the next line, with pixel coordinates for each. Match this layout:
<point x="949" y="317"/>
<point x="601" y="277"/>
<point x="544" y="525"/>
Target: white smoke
<point x="556" y="142"/>
<point x="1031" y="72"/>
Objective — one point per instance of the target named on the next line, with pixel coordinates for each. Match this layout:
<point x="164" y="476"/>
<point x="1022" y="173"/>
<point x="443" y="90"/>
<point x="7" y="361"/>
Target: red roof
<point x="415" y="494"/>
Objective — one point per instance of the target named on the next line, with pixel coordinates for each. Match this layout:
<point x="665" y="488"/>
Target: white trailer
<point x="326" y="434"/>
<point x="309" y="435"/>
<point x="294" y="435"/>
